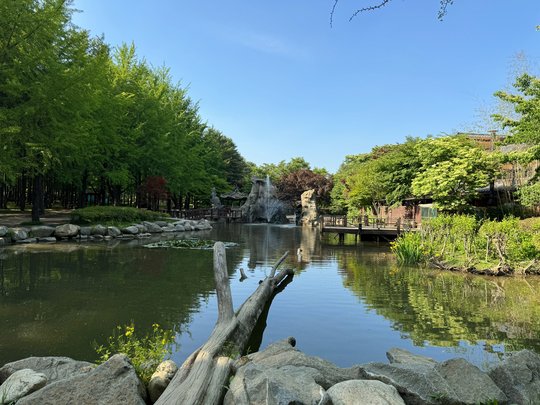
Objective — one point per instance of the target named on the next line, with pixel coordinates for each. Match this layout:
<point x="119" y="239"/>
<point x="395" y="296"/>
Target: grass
<point x="118" y="216"/>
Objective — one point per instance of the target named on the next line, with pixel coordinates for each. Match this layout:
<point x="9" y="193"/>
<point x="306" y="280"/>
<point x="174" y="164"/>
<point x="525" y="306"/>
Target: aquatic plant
<point x="145" y="352"/>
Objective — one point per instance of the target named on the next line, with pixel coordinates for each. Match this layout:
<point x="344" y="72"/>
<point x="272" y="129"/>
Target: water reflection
<point x="444" y="309"/>
<point x="348" y="304"/>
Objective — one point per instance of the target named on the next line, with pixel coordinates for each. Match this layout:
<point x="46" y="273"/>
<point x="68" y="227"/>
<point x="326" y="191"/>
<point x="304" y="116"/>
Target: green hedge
<point x="104" y="214"/>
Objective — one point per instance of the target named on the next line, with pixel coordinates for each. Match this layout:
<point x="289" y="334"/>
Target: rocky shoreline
<point x="282" y="374"/>
<point x="66" y="232"/>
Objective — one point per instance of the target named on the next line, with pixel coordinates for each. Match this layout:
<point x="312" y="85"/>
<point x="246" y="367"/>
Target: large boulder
<point x="310" y="213"/>
<point x="417" y="383"/>
<point x="113" y="231"/>
<point x="518" y="376"/>
<point x="456" y="381"/>
<point x="362" y="392"/>
<point x="255" y="384"/>
<point x="402" y="356"/>
<point x="99" y="230"/>
<point x="3" y="231"/>
<point x="113" y="382"/>
<point x="472" y="385"/>
<point x="152" y="227"/>
<point x="161" y="379"/>
<point x="162" y="223"/>
<point x="282" y="353"/>
<point x="130" y="230"/>
<point x="85" y="230"/>
<point x="19" y="384"/>
<point x="66" y="231"/>
<point x="41" y="231"/>
<point x="54" y="368"/>
<point x="18" y="234"/>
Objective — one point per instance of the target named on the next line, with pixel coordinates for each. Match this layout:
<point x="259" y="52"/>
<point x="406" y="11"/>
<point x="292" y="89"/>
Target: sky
<point x="277" y="79"/>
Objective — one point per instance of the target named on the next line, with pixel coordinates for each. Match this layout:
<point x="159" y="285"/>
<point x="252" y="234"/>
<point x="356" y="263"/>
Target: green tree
<point x="452" y="170"/>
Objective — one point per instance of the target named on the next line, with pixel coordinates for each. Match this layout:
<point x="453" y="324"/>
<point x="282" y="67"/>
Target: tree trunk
<point x="204" y="375"/>
<point x="37" y="197"/>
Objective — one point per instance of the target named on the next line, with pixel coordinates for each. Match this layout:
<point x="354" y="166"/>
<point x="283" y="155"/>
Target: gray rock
<point x="163" y="224"/>
<point x="141" y="228"/>
<point x="83" y="237"/>
<point x="99" y="230"/>
<point x="168" y="229"/>
<point x="41" y="231"/>
<point x="28" y="240"/>
<point x="98" y="237"/>
<point x="86" y="230"/>
<point x="417" y="384"/>
<point x="130" y="230"/>
<point x="255" y="384"/>
<point x="126" y="237"/>
<point x="361" y="392"/>
<point x="283" y="354"/>
<point x="518" y="376"/>
<point x="188" y="227"/>
<point x="50" y="239"/>
<point x="18" y="234"/>
<point x="113" y="382"/>
<point x="401" y="356"/>
<point x="66" y="231"/>
<point x="113" y="231"/>
<point x="471" y="384"/>
<point x="54" y="368"/>
<point x="161" y="379"/>
<point x="3" y="230"/>
<point x="152" y="227"/>
<point x="108" y="237"/>
<point x="179" y="228"/>
<point x="20" y="384"/>
<point x="4" y="241"/>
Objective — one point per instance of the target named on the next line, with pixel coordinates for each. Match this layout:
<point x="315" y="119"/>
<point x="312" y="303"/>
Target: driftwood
<point x="204" y="375"/>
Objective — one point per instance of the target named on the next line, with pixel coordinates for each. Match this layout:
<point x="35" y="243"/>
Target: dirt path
<point x="13" y="218"/>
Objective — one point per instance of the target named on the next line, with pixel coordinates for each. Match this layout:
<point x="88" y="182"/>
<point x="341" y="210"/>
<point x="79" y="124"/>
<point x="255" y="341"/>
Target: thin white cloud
<point x="263" y="42"/>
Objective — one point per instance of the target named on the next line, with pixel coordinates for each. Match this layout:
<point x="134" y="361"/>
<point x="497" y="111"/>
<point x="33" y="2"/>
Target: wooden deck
<point x="369" y="228"/>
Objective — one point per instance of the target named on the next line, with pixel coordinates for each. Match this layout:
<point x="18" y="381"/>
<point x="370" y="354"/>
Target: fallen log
<point x="202" y="379"/>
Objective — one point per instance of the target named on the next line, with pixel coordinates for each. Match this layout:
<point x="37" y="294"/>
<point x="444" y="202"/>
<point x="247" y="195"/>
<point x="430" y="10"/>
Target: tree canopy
<point x="78" y="118"/>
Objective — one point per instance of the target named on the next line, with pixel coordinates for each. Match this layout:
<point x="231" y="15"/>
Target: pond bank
<point x="65" y="232"/>
<point x="283" y="374"/>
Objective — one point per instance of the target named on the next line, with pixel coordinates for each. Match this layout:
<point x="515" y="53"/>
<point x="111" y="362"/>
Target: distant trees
<point x="80" y="119"/>
<point x="291" y="186"/>
<point x="448" y="170"/>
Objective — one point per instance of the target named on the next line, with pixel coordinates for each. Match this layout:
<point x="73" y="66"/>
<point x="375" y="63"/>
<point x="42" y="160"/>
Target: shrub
<point x="100" y="214"/>
<point x="145" y="352"/>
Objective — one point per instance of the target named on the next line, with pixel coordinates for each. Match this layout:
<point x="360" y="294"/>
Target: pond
<point x="348" y="304"/>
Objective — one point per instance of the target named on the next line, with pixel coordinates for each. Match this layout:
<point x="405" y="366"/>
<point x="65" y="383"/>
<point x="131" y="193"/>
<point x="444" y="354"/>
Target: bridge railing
<point x="368" y="222"/>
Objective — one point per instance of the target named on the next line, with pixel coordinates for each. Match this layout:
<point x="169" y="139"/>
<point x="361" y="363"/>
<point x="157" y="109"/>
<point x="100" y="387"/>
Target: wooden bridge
<point x="376" y="228"/>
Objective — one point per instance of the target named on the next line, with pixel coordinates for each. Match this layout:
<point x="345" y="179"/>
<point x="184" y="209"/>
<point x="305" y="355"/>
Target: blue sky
<point x="277" y="79"/>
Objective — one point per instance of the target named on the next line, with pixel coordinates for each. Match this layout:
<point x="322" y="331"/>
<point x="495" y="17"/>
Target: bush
<point x="145" y="352"/>
<point x="104" y="214"/>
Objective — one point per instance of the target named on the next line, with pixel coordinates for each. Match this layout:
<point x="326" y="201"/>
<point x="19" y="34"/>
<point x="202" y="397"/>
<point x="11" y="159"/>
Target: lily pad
<point x="187" y="244"/>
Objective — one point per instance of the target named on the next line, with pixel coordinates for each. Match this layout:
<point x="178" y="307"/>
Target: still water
<point x="348" y="304"/>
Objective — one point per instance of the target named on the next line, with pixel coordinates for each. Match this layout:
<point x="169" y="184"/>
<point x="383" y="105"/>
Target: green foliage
<point x="409" y="249"/>
<point x="145" y="352"/>
<point x="452" y="171"/>
<point x="109" y="214"/>
<point x="529" y="195"/>
<point x="382" y="177"/>
<point x="464" y="241"/>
